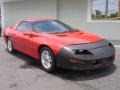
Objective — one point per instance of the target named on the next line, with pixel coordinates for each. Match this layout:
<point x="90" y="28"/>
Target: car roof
<point x="31" y="20"/>
<point x="37" y="19"/>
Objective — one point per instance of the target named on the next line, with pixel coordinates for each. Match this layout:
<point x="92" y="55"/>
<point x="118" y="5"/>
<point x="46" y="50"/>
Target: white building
<point x="77" y="13"/>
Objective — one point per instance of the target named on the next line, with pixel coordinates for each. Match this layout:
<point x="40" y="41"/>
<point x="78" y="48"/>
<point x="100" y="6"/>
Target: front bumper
<point x="103" y="55"/>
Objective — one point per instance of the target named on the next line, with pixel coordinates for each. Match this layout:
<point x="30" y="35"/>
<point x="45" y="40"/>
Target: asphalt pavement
<point x="20" y="72"/>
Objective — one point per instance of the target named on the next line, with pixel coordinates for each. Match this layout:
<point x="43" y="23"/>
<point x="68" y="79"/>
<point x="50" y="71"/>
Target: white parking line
<point x="117" y="46"/>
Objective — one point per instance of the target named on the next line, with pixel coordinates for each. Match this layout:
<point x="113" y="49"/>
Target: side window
<point x="24" y="26"/>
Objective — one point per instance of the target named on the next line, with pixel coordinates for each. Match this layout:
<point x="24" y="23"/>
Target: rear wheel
<point x="10" y="46"/>
<point x="47" y="59"/>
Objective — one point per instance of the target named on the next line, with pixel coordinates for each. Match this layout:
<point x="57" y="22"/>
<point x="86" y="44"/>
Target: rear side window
<point x="24" y="26"/>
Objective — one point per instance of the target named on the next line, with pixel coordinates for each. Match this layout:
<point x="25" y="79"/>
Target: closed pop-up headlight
<point x="82" y="52"/>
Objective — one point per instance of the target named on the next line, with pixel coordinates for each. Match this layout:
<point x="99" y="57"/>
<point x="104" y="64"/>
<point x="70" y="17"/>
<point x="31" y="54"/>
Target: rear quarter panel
<point x="7" y="33"/>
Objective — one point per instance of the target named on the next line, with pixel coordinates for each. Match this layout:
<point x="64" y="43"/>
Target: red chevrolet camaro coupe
<point x="54" y="43"/>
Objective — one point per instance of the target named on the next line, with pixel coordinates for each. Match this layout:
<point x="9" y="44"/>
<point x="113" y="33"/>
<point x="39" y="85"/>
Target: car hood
<point x="74" y="38"/>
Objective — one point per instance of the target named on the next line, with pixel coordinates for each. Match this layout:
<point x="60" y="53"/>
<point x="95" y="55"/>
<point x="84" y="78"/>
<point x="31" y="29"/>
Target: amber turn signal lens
<point x="76" y="61"/>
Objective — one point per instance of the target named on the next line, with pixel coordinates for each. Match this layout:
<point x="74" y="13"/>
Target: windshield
<point x="51" y="26"/>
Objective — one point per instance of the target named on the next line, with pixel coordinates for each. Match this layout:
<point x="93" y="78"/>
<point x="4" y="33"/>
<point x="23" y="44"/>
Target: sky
<point x="100" y="5"/>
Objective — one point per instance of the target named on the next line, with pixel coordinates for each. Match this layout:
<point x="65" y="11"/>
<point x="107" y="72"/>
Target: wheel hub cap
<point x="9" y="45"/>
<point x="46" y="59"/>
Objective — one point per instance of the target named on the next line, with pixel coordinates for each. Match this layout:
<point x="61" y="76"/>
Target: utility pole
<point x="106" y="10"/>
<point x="118" y="8"/>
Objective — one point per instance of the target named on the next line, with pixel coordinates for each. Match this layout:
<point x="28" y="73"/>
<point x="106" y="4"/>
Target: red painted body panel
<point x="30" y="44"/>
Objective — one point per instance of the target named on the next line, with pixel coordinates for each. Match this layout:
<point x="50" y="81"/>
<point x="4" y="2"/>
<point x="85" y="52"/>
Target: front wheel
<point x="47" y="59"/>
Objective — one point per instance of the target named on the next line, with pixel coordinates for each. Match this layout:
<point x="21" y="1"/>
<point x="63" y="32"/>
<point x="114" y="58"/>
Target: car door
<point x="22" y="38"/>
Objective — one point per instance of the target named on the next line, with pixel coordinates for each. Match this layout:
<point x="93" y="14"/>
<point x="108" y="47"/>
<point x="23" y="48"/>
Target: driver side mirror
<point x="27" y="33"/>
<point x="31" y="34"/>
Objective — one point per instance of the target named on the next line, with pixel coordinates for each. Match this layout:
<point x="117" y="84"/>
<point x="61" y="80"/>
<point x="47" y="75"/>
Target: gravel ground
<point x="21" y="72"/>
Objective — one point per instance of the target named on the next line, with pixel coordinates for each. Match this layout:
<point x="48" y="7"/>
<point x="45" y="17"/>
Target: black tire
<point x="10" y="47"/>
<point x="52" y="62"/>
